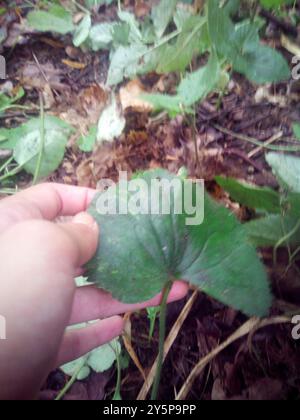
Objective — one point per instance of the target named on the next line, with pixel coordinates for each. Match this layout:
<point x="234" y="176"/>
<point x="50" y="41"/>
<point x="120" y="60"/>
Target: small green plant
<point x="142" y="254"/>
<point x="279" y="224"/>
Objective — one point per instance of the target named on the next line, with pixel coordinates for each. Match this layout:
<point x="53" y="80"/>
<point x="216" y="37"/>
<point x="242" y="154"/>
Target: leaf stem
<point x="71" y="381"/>
<point x="42" y="142"/>
<point x="162" y="334"/>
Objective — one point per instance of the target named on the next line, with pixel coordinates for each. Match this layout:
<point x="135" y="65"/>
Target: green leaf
<point x="268" y="231"/>
<point x="162" y="15"/>
<point x="270" y="4"/>
<point x="27" y="148"/>
<point x="135" y="35"/>
<point x="177" y="56"/>
<point x="101" y="36"/>
<point x="193" y="88"/>
<point x="296" y="130"/>
<point x="286" y="168"/>
<point x="57" y="19"/>
<point x="197" y="85"/>
<point x="82" y="31"/>
<point x="139" y="253"/>
<point x="87" y="143"/>
<point x="99" y="359"/>
<point x="240" y="44"/>
<point x="124" y="63"/>
<point x="254" y="197"/>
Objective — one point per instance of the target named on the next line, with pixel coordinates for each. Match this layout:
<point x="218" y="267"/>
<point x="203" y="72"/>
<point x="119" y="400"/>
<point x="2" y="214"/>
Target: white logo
<point x="296" y="69"/>
<point x="159" y="197"/>
<point x="296" y="329"/>
<point x="2" y="67"/>
<point x="2" y="328"/>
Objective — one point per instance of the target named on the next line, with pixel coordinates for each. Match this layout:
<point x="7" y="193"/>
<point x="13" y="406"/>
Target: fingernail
<point x="86" y="219"/>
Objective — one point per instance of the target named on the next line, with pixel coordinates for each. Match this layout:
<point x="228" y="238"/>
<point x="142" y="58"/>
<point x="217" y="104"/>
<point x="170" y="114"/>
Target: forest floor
<point x="264" y="364"/>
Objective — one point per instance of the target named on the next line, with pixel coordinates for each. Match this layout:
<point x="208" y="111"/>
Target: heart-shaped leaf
<point x="139" y="253"/>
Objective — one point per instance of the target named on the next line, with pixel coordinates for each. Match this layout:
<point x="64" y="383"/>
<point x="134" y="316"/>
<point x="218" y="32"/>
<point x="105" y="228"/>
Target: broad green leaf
<point x="124" y="63"/>
<point x="135" y="35"/>
<point x="101" y="36"/>
<point x="57" y="19"/>
<point x="193" y="88"/>
<point x="240" y="44"/>
<point x="181" y="16"/>
<point x="139" y="253"/>
<point x="286" y="168"/>
<point x="82" y="31"/>
<point x="177" y="56"/>
<point x="27" y="148"/>
<point x="296" y="130"/>
<point x="111" y="123"/>
<point x="197" y="85"/>
<point x="268" y="231"/>
<point x="162" y="15"/>
<point x="254" y="197"/>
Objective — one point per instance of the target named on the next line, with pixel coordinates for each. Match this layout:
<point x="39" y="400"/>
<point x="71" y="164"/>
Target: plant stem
<point x="117" y="393"/>
<point x="11" y="173"/>
<point x="285" y="239"/>
<point x="256" y="142"/>
<point x="162" y="334"/>
<point x="5" y="164"/>
<point x="71" y="381"/>
<point x="42" y="143"/>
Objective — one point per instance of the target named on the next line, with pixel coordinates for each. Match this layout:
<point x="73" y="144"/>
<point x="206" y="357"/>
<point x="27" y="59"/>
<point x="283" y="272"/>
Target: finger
<point x="91" y="303"/>
<point x="44" y="201"/>
<point x="84" y="234"/>
<point x="77" y="343"/>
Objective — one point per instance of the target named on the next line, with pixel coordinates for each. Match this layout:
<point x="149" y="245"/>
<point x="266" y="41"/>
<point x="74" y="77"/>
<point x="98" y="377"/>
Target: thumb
<point x="83" y="230"/>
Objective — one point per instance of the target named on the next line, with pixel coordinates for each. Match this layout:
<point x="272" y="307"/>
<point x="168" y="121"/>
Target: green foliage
<point x="262" y="199"/>
<point x="7" y="102"/>
<point x="193" y="88"/>
<point x="25" y="141"/>
<point x="282" y="208"/>
<point x="287" y="169"/>
<point x="56" y="19"/>
<point x="98" y="360"/>
<point x="139" y="254"/>
<point x="296" y="130"/>
<point x="271" y="4"/>
<point x="240" y="45"/>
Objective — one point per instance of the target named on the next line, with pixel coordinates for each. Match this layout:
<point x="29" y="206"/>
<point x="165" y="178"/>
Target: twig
<point x="258" y="149"/>
<point x="256" y="142"/>
<point x="252" y="325"/>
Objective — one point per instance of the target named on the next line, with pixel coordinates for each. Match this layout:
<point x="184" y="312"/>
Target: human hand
<point x="38" y="297"/>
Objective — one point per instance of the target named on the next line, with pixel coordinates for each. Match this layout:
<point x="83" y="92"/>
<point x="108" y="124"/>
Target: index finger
<point x="44" y="201"/>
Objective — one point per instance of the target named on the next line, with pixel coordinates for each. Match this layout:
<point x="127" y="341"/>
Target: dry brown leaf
<point x="74" y="64"/>
<point x="130" y="97"/>
<point x="128" y="344"/>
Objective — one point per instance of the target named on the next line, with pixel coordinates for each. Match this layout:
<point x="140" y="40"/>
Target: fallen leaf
<point x="74" y="64"/>
<point x="130" y="97"/>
